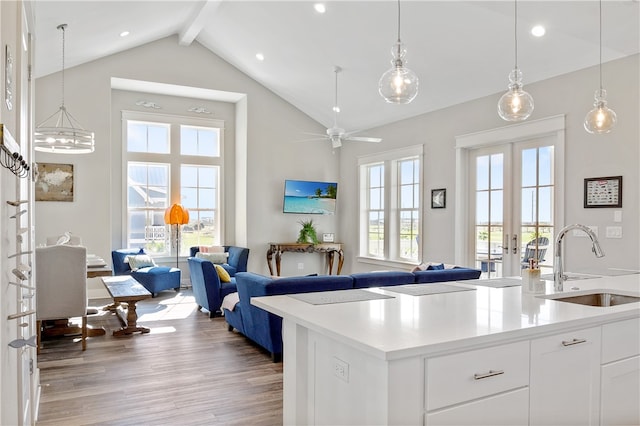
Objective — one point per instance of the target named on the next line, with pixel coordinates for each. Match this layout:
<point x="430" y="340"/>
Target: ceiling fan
<point x="336" y="134"/>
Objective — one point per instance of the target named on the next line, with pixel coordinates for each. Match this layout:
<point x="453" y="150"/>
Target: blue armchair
<point x="237" y="261"/>
<point x="208" y="290"/>
<point x="153" y="278"/>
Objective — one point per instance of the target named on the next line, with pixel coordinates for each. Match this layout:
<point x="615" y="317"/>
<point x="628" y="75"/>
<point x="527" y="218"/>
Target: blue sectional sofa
<point x="262" y="327"/>
<point x="265" y="328"/>
<point x="208" y="289"/>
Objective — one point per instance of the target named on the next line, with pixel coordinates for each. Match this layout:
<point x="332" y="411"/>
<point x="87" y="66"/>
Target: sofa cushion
<point x="441" y="275"/>
<point x="381" y="278"/>
<point x="223" y="274"/>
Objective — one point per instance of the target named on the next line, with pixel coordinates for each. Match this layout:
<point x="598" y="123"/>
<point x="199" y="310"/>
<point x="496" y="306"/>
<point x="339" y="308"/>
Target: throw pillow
<point x="211" y="249"/>
<point x="223" y="274"/>
<point x="218" y="258"/>
<point x="420" y="267"/>
<point x="140" y="261"/>
<point x="435" y="266"/>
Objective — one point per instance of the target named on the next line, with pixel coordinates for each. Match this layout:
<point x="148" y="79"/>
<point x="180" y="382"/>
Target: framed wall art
<point x="603" y="192"/>
<point x="438" y="198"/>
<point x="55" y="182"/>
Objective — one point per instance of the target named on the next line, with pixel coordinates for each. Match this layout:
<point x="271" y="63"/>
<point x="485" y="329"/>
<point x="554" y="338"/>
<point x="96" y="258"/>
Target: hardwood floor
<point x="189" y="370"/>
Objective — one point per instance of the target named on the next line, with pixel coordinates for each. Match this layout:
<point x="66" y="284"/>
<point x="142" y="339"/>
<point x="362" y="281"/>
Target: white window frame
<point x="390" y="159"/>
<point x="175" y="161"/>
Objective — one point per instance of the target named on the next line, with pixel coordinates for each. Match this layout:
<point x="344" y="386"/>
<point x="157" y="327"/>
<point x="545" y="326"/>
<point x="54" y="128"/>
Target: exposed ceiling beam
<point x="197" y="22"/>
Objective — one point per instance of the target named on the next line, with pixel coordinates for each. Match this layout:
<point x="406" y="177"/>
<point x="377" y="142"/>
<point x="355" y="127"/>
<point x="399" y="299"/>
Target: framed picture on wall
<point x="603" y="192"/>
<point x="438" y="198"/>
<point x="55" y="182"/>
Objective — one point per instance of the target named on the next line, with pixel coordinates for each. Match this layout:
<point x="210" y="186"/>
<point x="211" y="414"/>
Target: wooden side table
<point x="329" y="249"/>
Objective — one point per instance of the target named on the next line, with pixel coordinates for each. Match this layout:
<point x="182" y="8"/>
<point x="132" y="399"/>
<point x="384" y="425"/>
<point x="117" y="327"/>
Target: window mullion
<point x="390" y="212"/>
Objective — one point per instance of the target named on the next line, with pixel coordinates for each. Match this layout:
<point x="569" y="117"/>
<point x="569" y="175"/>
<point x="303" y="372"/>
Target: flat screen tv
<point x="309" y="197"/>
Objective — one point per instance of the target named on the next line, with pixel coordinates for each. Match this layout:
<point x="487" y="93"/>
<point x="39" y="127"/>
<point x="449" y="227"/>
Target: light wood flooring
<point x="189" y="370"/>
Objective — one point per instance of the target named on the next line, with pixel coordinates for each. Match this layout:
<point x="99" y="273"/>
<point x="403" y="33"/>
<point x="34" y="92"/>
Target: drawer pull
<point x="491" y="373"/>
<point x="573" y="342"/>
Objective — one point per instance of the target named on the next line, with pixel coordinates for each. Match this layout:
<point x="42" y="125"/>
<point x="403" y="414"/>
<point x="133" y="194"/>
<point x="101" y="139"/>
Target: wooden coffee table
<point x="125" y="289"/>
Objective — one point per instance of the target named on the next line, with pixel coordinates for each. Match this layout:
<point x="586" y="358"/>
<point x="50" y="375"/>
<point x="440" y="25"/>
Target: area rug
<point x="338" y="296"/>
<point x="426" y="289"/>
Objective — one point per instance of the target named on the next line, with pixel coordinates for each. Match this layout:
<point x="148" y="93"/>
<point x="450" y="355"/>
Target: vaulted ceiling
<point x="461" y="50"/>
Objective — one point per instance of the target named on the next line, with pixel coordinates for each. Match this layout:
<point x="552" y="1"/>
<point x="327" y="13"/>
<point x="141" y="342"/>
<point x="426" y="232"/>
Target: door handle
<point x="515" y="244"/>
<point x="505" y="247"/>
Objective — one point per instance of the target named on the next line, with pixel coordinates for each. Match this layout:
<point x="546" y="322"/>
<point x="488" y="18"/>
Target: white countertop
<point x="406" y="325"/>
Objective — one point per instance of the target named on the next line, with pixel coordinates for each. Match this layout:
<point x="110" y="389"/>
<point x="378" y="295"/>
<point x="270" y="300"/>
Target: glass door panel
<point x="537" y="207"/>
<point x="489" y="212"/>
<point x="513" y="207"/>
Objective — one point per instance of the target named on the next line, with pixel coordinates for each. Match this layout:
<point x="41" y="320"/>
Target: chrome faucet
<point x="558" y="270"/>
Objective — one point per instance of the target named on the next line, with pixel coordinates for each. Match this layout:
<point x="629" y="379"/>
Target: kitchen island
<point x="479" y="355"/>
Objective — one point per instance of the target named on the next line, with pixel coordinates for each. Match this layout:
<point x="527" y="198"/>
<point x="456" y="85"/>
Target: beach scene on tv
<point x="310" y="197"/>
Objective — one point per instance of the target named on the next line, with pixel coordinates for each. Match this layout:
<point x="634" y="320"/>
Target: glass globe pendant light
<point x="600" y="119"/>
<point x="61" y="133"/>
<point x="516" y="104"/>
<point x="399" y="85"/>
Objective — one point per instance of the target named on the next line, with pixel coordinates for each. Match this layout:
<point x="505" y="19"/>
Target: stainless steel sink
<point x="597" y="299"/>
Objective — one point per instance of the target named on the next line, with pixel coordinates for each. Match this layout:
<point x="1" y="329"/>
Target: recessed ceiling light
<point x="260" y="56"/>
<point x="124" y="33"/>
<point x="320" y="8"/>
<point x="538" y="31"/>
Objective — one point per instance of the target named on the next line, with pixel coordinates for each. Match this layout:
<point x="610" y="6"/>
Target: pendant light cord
<point x="600" y="69"/>
<point x="62" y="28"/>
<point x="515" y="30"/>
<point x="398" y="21"/>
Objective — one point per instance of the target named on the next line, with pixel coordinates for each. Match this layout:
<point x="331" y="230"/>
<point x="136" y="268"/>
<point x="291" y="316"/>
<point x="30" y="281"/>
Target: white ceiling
<point x="461" y="50"/>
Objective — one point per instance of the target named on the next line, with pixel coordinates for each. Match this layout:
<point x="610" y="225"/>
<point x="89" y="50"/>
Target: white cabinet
<point x="620" y="373"/>
<point x="485" y="385"/>
<point x="565" y="378"/>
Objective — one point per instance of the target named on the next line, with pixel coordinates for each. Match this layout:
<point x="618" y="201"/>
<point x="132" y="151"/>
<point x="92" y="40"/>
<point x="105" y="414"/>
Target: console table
<point x="330" y="250"/>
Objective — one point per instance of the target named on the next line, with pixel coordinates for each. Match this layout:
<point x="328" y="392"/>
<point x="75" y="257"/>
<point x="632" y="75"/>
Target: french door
<point x="512" y="192"/>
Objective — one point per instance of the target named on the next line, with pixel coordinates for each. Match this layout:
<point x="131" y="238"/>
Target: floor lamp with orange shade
<point x="176" y="215"/>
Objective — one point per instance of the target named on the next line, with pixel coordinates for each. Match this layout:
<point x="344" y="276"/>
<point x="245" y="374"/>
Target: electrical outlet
<point x="341" y="369"/>
<point x="617" y="216"/>
<point x="614" y="231"/>
<point x="301" y="266"/>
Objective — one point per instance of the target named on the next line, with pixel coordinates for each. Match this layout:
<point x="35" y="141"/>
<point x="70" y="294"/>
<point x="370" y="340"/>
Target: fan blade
<point x="322" y="135"/>
<point x="362" y="139"/>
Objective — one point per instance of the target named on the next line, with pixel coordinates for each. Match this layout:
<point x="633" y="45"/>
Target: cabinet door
<point x="508" y="409"/>
<point x="565" y="378"/>
<point x="621" y="393"/>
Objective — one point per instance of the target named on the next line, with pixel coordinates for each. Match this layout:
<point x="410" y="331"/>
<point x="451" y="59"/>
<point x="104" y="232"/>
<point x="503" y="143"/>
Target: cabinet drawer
<point x="620" y="340"/>
<point x="507" y="409"/>
<point x="452" y="379"/>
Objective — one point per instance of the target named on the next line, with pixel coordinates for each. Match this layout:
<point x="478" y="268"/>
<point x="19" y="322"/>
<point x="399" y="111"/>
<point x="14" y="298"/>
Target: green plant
<point x="308" y="232"/>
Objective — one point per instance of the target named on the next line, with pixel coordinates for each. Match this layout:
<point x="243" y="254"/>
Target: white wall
<point x="586" y="156"/>
<point x="272" y="126"/>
